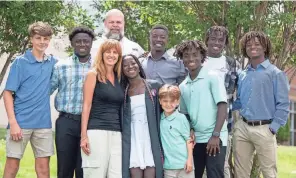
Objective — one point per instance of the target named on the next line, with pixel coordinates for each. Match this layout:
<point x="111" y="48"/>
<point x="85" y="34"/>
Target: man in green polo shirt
<point x="204" y="101"/>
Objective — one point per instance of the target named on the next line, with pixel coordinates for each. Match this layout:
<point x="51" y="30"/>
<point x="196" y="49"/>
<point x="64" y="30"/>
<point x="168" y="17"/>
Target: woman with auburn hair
<point x="101" y="125"/>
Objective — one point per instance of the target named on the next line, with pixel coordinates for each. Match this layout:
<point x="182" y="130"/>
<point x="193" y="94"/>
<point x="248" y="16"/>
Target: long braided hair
<point x="263" y="39"/>
<point x="215" y="29"/>
<point x="125" y="85"/>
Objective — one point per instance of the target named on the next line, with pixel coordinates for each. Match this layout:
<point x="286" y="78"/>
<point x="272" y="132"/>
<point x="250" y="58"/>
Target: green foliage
<point x="284" y="132"/>
<point x="73" y="15"/>
<point x="16" y="16"/>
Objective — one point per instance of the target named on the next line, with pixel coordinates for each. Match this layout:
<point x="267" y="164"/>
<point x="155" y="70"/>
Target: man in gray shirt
<point x="159" y="64"/>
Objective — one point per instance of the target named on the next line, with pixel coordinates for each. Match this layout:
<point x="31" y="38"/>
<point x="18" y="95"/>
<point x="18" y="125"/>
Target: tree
<point x="15" y="17"/>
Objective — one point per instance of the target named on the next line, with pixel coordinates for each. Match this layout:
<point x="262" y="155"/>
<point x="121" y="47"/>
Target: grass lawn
<point x="286" y="161"/>
<point x="27" y="169"/>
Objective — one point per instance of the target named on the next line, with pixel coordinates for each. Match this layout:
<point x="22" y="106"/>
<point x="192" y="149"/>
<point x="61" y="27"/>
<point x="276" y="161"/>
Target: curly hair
<point x="189" y="44"/>
<point x="215" y="29"/>
<point x="263" y="39"/>
<point x="124" y="79"/>
<point x="98" y="64"/>
<point x="81" y="29"/>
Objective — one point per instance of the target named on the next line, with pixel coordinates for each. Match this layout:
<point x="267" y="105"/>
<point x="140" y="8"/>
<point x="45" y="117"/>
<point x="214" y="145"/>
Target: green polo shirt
<point x="174" y="132"/>
<point x="199" y="99"/>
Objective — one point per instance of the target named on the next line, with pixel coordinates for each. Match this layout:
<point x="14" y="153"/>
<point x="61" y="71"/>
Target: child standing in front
<point x="175" y="135"/>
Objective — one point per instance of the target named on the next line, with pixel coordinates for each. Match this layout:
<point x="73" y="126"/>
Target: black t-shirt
<point x="105" y="110"/>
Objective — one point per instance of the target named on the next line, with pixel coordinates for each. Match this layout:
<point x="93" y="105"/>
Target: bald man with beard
<point x="114" y="29"/>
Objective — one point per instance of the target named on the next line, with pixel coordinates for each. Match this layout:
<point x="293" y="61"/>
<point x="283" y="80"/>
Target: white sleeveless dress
<point x="141" y="154"/>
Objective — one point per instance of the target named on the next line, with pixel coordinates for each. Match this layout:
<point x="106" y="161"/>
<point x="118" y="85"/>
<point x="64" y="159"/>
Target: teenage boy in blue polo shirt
<point x="175" y="135"/>
<point x="29" y="111"/>
<point x="204" y="100"/>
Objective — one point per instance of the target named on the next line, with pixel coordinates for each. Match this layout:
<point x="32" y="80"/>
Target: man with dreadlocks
<point x="204" y="101"/>
<point x="263" y="101"/>
<point x="228" y="68"/>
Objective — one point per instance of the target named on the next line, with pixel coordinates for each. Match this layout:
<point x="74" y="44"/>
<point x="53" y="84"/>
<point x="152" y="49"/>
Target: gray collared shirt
<point x="167" y="70"/>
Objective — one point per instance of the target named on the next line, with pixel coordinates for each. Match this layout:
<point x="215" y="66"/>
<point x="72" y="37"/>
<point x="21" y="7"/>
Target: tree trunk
<point x="3" y="72"/>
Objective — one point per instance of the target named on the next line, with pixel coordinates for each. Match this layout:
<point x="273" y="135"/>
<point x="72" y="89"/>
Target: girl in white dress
<point x="142" y="152"/>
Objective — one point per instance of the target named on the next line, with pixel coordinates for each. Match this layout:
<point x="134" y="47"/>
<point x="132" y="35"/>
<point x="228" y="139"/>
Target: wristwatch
<point x="216" y="134"/>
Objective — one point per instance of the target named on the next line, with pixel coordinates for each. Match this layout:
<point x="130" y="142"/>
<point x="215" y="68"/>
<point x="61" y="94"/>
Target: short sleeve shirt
<point x="199" y="99"/>
<point x="174" y="132"/>
<point x="29" y="79"/>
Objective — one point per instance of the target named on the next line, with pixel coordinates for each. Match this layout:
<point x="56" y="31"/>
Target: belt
<point x="256" y="123"/>
<point x="70" y="116"/>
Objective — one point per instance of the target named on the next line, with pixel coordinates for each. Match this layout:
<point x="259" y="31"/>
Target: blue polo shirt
<point x="174" y="132"/>
<point x="30" y="80"/>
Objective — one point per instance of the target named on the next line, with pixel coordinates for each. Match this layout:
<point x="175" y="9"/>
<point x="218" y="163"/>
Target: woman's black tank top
<point x="106" y="103"/>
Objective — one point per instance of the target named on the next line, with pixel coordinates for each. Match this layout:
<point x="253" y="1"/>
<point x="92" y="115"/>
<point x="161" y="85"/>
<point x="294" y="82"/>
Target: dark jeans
<point x="67" y="139"/>
<point x="214" y="165"/>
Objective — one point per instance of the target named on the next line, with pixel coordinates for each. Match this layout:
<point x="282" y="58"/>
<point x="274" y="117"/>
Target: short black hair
<point x="160" y="26"/>
<point x="189" y="44"/>
<point x="215" y="29"/>
<point x="263" y="39"/>
<point x="81" y="29"/>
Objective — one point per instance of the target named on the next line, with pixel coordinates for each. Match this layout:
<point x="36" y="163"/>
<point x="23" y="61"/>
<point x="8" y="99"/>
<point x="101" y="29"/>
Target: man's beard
<point x="114" y="36"/>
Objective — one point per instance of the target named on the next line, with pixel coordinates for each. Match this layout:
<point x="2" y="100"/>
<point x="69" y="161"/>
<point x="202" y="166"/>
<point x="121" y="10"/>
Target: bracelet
<point x="83" y="138"/>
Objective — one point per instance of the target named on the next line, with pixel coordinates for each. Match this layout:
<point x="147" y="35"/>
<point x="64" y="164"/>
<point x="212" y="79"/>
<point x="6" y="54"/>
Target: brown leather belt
<point x="256" y="123"/>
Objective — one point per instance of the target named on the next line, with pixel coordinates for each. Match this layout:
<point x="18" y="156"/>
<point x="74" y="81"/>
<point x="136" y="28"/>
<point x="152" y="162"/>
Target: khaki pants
<point x="104" y="160"/>
<point x="247" y="139"/>
<point x="178" y="173"/>
<point x="228" y="153"/>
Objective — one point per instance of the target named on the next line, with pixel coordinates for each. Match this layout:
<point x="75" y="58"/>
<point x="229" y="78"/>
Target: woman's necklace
<point x="137" y="90"/>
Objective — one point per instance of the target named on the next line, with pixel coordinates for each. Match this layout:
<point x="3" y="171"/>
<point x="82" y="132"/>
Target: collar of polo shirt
<point x="32" y="59"/>
<point x="202" y="73"/>
<point x="170" y="117"/>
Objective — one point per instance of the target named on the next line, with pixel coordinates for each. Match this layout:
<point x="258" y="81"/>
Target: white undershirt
<point x="216" y="64"/>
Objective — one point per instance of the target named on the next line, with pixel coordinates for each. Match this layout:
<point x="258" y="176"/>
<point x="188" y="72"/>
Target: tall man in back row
<point x="159" y="64"/>
<point x="114" y="29"/>
<point x="228" y="69"/>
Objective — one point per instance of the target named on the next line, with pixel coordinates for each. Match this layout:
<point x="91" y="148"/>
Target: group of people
<point x="126" y="113"/>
